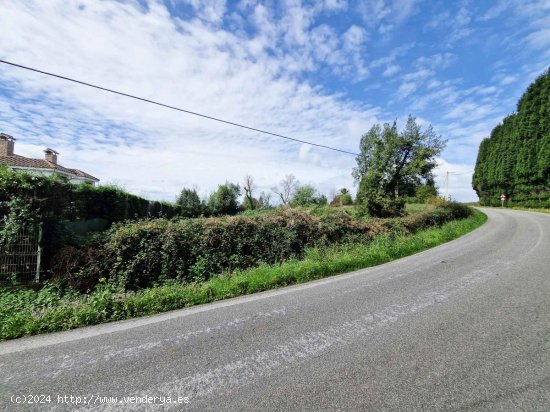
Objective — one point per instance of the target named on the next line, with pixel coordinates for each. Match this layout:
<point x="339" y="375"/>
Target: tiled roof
<point x="80" y="173"/>
<point x="21" y="161"/>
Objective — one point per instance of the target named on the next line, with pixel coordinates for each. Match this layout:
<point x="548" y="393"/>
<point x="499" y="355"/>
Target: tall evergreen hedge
<point x="54" y="198"/>
<point x="515" y="159"/>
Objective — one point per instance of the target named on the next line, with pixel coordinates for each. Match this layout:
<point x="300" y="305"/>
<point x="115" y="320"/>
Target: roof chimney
<point x="51" y="155"/>
<point x="6" y="144"/>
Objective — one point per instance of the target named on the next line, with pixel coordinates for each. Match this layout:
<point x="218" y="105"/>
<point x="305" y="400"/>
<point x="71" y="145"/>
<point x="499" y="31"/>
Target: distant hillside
<point x="515" y="159"/>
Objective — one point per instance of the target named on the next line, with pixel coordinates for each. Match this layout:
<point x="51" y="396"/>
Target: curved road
<point x="464" y="326"/>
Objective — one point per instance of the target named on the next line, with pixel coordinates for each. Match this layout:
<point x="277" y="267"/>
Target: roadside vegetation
<point x="515" y="159"/>
<point x="147" y="257"/>
<point x="59" y="307"/>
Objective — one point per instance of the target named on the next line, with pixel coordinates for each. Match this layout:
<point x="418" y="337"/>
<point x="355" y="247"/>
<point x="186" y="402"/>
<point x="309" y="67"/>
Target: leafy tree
<point x="190" y="203"/>
<point x="224" y="201"/>
<point x="307" y="195"/>
<point x="392" y="165"/>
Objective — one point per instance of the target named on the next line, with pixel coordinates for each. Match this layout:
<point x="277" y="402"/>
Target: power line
<point x="173" y="107"/>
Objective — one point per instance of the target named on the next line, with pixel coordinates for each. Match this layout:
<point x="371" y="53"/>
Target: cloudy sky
<point x="323" y="71"/>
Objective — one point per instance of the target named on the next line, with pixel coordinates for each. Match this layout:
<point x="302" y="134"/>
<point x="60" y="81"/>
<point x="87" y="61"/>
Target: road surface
<point x="464" y="326"/>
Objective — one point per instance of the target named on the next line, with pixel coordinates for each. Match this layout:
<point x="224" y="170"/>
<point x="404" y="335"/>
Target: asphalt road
<point x="464" y="326"/>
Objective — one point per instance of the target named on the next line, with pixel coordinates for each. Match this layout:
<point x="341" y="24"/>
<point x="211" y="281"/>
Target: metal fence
<point x="20" y="258"/>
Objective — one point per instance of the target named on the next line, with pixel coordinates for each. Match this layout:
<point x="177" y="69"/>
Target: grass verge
<point x="27" y="312"/>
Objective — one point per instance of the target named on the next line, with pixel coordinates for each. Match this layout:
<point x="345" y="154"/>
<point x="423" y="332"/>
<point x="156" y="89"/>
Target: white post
<point x="39" y="254"/>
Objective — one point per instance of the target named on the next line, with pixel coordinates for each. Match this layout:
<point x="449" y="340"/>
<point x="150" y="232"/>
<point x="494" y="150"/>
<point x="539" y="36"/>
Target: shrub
<point x="342" y="199"/>
<point x="77" y="267"/>
<point x="436" y="200"/>
<point x="437" y="217"/>
<point x="346" y="199"/>
<point x="139" y="254"/>
<point x="424" y="192"/>
<point x="54" y="308"/>
<point x="377" y="204"/>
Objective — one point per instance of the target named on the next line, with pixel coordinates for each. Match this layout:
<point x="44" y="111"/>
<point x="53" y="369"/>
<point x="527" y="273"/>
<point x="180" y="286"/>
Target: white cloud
<point x="457" y="183"/>
<point x="386" y="14"/>
<point x="190" y="64"/>
<point x="210" y="10"/>
<point x="354" y="37"/>
<point x="391" y="70"/>
<point x="504" y="79"/>
<point x="335" y="5"/>
<point x="496" y="10"/>
<point x="455" y="25"/>
<point x="470" y="110"/>
<point x="418" y="75"/>
<point x="305" y="46"/>
<point x="438" y="20"/>
<point x="539" y="39"/>
<point x="406" y="89"/>
<point x="436" y="61"/>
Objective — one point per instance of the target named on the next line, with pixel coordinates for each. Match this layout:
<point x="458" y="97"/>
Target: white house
<point x="45" y="167"/>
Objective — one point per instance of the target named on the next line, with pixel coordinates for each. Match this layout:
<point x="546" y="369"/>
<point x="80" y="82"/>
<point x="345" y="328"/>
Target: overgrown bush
<point x="139" y="254"/>
<point x="378" y="204"/>
<point x="44" y="195"/>
<point x="342" y="199"/>
<point x="443" y="213"/>
<point x="435" y="200"/>
<point x="424" y="192"/>
<point x="55" y="307"/>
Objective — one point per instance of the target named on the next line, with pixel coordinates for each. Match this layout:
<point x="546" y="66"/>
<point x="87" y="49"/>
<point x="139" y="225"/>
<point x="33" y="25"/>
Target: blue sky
<point x="323" y="71"/>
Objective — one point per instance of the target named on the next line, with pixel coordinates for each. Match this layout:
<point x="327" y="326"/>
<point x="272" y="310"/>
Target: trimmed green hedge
<point x="115" y="205"/>
<point x="139" y="254"/>
<point x="53" y="197"/>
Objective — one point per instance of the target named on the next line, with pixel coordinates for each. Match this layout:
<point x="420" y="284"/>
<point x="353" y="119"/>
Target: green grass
<point x="327" y="210"/>
<point x="412" y="208"/>
<point x="25" y="312"/>
<point x="315" y="210"/>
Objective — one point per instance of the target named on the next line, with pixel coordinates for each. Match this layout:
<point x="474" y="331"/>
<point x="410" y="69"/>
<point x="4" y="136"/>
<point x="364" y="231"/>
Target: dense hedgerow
<point x="139" y="254"/>
<point x="54" y="198"/>
<point x="515" y="159"/>
<point x="54" y="308"/>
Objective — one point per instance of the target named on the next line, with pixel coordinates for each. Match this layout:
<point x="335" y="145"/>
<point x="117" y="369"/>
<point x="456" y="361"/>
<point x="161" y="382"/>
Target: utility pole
<point x="446" y="185"/>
